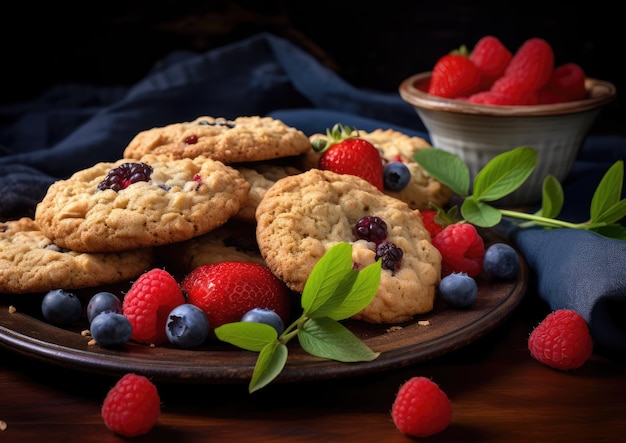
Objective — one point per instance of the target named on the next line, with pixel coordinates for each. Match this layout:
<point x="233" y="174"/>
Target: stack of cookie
<point x="214" y="190"/>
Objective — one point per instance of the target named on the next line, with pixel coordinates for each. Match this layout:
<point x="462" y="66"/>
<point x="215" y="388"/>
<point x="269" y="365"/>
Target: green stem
<point x="550" y="222"/>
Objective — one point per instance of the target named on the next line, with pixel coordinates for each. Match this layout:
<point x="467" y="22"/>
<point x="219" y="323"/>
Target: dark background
<point x="375" y="47"/>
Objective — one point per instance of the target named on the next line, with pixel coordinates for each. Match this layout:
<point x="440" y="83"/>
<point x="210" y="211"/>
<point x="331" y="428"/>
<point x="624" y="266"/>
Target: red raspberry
<point x="568" y="81"/>
<point x="132" y="406"/>
<point x="454" y="75"/>
<point x="462" y="249"/>
<point x="532" y="63"/>
<point x="148" y="303"/>
<point x="514" y="91"/>
<point x="421" y="408"/>
<point x="491" y="57"/>
<point x="428" y="218"/>
<point x="562" y="340"/>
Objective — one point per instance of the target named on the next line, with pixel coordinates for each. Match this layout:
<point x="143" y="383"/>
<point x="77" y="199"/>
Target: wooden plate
<point x="447" y="329"/>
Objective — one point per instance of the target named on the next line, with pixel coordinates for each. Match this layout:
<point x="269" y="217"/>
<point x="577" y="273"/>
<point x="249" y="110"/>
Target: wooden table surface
<point x="498" y="393"/>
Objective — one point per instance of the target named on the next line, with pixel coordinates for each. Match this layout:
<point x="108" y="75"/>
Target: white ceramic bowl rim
<point x="600" y="93"/>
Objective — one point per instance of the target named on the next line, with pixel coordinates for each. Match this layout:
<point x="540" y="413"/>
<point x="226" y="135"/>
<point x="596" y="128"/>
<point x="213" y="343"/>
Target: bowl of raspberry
<point x="477" y="104"/>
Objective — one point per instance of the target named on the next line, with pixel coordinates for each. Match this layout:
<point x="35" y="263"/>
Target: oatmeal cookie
<point x="243" y="139"/>
<point x="303" y="215"/>
<point x="30" y="262"/>
<point x="178" y="200"/>
<point x="233" y="241"/>
<point x="397" y="146"/>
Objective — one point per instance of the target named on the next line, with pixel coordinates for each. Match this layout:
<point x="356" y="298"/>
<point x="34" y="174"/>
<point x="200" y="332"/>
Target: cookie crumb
<point x="423" y="323"/>
<point x="3" y="425"/>
<point x="12" y="309"/>
<point x="92" y="342"/>
<point x="85" y="333"/>
<point x="394" y="328"/>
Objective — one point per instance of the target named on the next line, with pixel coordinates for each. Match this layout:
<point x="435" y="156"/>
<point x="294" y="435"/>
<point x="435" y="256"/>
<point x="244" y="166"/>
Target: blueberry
<point x="396" y="176"/>
<point x="265" y="316"/>
<point x="61" y="307"/>
<point x="187" y="326"/>
<point x="458" y="290"/>
<point x="501" y="261"/>
<point x="102" y="302"/>
<point x="111" y="329"/>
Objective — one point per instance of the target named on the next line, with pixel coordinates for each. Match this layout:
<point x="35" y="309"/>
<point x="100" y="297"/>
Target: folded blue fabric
<point x="74" y="126"/>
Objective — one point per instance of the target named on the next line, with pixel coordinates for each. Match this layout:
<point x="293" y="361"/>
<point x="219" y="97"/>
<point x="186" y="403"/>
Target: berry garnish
<point x="562" y="340"/>
<point x="102" y="302"/>
<point x="110" y="329"/>
<point x="61" y="307"/>
<point x="390" y="255"/>
<point x="346" y="153"/>
<point x="431" y="222"/>
<point x="421" y="408"/>
<point x="567" y="82"/>
<point x="501" y="261"/>
<point x="458" y="290"/>
<point x="454" y="75"/>
<point x="371" y="228"/>
<point x="396" y="176"/>
<point x="187" y="326"/>
<point x="147" y="305"/>
<point x="532" y="63"/>
<point x="265" y="316"/>
<point x="491" y="58"/>
<point x="132" y="407"/>
<point x="125" y="175"/>
<point x="462" y="249"/>
<point x="225" y="291"/>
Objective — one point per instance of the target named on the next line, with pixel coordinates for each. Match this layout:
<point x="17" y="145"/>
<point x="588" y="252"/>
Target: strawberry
<point x="421" y="408"/>
<point x="491" y="58"/>
<point x="430" y="222"/>
<point x="225" y="291"/>
<point x="454" y="76"/>
<point x="147" y="305"/>
<point x="532" y="63"/>
<point x="346" y="153"/>
<point x="562" y="340"/>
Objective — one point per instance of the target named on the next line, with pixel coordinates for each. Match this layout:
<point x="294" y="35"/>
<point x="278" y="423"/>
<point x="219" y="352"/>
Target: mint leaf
<point x="479" y="213"/>
<point x="329" y="279"/>
<point x="270" y="363"/>
<point x="246" y="335"/>
<point x="504" y="173"/>
<point x="552" y="200"/>
<point x="327" y="338"/>
<point x="605" y="204"/>
<point x="448" y="168"/>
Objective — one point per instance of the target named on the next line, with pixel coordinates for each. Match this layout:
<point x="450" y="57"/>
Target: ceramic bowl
<point x="477" y="133"/>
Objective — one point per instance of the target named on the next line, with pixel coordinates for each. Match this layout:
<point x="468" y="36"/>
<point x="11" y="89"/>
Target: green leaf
<point x="552" y="198"/>
<point x="611" y="231"/>
<point x="446" y="167"/>
<point x="247" y="335"/>
<point x="479" y="213"/>
<point x="327" y="338"/>
<point x="361" y="293"/>
<point x="608" y="194"/>
<point x="270" y="363"/>
<point x="613" y="214"/>
<point x="331" y="277"/>
<point x="504" y="173"/>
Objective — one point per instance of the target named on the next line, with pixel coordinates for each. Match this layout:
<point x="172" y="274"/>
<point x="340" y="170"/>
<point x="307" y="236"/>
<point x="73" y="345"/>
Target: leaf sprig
<point x="505" y="173"/>
<point x="333" y="292"/>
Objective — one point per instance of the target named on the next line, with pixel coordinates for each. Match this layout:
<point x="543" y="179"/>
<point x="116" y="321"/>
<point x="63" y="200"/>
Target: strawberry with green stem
<point x="346" y="153"/>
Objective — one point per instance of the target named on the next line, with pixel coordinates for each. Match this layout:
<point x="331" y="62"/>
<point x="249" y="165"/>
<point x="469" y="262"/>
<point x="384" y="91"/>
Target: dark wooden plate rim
<point x="447" y="330"/>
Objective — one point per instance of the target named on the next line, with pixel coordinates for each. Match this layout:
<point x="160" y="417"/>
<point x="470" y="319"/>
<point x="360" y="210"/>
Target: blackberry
<point x="390" y="254"/>
<point x="125" y="175"/>
<point x="371" y="228"/>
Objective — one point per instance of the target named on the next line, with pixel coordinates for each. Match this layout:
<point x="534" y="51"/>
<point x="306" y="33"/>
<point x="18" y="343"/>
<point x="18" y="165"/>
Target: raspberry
<point x="454" y="75"/>
<point x="431" y="225"/>
<point x="132" y="406"/>
<point x="462" y="249"/>
<point x="568" y="81"/>
<point x="562" y="340"/>
<point x="532" y="63"/>
<point x="421" y="408"/>
<point x="148" y="303"/>
<point x="491" y="57"/>
<point x="514" y="91"/>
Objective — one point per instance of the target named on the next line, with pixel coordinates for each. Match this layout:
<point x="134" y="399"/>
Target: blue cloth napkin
<point x="71" y="127"/>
